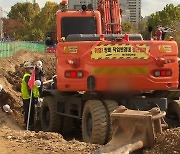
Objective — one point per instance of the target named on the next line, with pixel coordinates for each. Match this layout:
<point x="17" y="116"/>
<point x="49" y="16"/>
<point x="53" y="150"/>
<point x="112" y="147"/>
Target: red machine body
<point x="113" y="62"/>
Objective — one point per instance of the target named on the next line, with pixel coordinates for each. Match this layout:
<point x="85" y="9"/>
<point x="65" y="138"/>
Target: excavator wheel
<point x="174" y="110"/>
<point x="67" y="125"/>
<point x="50" y="120"/>
<point x="94" y="122"/>
<point x="111" y="106"/>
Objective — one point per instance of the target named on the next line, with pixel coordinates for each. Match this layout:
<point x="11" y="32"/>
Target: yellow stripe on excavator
<point x="121" y="71"/>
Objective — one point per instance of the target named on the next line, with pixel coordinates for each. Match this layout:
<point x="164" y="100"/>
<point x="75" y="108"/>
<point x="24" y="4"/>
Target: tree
<point x="13" y="28"/>
<point x="168" y="17"/>
<point x="128" y="27"/>
<point x="46" y="20"/>
<point x="143" y="29"/>
<point x="24" y="14"/>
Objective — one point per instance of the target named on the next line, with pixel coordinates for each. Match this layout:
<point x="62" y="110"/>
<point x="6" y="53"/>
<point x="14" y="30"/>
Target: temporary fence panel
<point x="8" y="49"/>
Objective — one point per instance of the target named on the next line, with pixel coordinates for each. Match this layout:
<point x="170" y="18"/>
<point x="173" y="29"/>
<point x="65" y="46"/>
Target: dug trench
<point x="14" y="139"/>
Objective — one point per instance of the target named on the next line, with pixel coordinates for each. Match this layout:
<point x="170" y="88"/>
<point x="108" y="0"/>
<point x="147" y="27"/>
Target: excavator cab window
<point x="78" y="25"/>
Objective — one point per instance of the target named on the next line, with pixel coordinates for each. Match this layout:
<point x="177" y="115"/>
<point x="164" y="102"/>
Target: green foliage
<point x="168" y="17"/>
<point x="23" y="14"/>
<point x="128" y="27"/>
<point x="33" y="23"/>
<point x="143" y="29"/>
<point x="45" y="20"/>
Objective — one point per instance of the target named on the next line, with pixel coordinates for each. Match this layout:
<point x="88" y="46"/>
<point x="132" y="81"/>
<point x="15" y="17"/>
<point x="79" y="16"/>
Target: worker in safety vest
<point x="26" y="94"/>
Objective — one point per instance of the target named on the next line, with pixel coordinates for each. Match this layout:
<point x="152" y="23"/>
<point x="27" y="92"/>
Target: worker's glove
<point x="40" y="100"/>
<point x="37" y="83"/>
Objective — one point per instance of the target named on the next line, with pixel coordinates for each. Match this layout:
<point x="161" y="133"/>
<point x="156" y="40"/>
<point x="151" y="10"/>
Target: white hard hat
<point x="39" y="63"/>
<point x="40" y="100"/>
<point x="7" y="108"/>
<point x="1" y="87"/>
<point x="28" y="64"/>
<point x="38" y="83"/>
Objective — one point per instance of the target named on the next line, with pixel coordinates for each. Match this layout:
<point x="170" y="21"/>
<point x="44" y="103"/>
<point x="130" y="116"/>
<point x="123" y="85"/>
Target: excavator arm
<point x="110" y="16"/>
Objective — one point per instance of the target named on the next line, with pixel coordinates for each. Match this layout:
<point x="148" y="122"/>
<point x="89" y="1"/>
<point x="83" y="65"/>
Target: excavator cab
<point x="77" y="22"/>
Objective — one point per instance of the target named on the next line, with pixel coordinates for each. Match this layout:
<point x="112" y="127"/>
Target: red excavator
<point x="110" y="82"/>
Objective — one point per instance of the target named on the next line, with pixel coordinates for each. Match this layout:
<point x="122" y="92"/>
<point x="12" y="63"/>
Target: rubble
<point x="167" y="143"/>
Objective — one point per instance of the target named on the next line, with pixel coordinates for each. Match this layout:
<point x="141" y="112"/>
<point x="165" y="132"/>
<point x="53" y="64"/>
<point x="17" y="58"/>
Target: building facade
<point x="125" y="10"/>
<point x="135" y="11"/>
<point x="131" y="8"/>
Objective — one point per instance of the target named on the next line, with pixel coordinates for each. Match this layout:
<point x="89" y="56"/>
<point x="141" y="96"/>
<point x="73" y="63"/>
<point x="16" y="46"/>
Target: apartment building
<point x="125" y="10"/>
<point x="131" y="8"/>
<point x="135" y="11"/>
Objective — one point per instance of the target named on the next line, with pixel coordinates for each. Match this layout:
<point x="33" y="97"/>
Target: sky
<point x="148" y="6"/>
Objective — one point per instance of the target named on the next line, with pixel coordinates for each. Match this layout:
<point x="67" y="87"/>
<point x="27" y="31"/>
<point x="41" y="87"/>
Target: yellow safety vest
<point x="24" y="88"/>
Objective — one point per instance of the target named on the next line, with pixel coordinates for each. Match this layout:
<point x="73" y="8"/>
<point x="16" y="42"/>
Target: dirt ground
<point x="167" y="143"/>
<point x="17" y="141"/>
<point x="14" y="139"/>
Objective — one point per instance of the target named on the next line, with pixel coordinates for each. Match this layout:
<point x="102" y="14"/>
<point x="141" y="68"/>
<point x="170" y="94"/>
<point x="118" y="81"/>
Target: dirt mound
<point x="14" y="76"/>
<point x="167" y="143"/>
<point x="43" y="142"/>
<point x="11" y="73"/>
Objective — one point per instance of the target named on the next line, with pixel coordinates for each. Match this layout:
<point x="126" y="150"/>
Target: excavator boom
<point x="110" y="16"/>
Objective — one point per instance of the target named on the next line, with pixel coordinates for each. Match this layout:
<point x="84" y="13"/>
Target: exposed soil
<point x="15" y="140"/>
<point x="167" y="143"/>
<point x="11" y="73"/>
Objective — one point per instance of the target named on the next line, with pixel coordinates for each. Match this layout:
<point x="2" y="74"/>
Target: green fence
<point x="7" y="49"/>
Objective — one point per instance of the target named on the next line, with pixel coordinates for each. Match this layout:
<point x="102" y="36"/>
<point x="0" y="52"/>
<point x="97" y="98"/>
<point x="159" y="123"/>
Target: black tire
<point x="67" y="125"/>
<point x="111" y="106"/>
<point x="174" y="110"/>
<point x="50" y="120"/>
<point x="94" y="122"/>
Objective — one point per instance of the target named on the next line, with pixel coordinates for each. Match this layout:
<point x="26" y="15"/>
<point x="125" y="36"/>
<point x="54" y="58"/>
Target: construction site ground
<point x="14" y="139"/>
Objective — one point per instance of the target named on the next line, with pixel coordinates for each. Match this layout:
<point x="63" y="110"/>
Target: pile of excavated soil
<point x="15" y="140"/>
<point x="167" y="143"/>
<point x="14" y="77"/>
<point x="11" y="73"/>
<point x="42" y="142"/>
